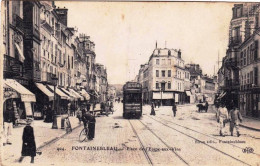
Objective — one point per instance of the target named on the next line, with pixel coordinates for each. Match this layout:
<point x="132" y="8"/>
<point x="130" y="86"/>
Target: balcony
<point x="231" y="63"/>
<point x="47" y="77"/>
<point x="235" y="40"/>
<point x="12" y="67"/>
<point x="18" y="23"/>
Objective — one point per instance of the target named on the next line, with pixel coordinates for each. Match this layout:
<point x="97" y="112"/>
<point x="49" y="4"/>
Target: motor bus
<point x="132" y="100"/>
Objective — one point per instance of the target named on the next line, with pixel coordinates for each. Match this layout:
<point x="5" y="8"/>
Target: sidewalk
<point x="251" y="123"/>
<point x="43" y="135"/>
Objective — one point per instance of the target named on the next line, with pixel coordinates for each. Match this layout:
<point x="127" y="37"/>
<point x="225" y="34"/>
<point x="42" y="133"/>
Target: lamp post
<point x="54" y="121"/>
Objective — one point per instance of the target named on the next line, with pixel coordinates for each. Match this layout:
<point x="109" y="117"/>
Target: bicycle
<point x="84" y="133"/>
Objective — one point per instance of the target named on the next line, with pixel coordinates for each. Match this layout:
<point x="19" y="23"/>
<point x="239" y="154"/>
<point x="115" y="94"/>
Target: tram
<point x="132" y="100"/>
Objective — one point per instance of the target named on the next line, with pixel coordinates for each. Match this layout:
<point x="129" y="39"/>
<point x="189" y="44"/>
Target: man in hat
<point x="9" y="118"/>
<point x="222" y="117"/>
<point x="90" y="119"/>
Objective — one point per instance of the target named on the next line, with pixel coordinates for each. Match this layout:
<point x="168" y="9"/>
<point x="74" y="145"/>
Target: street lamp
<point x="54" y="122"/>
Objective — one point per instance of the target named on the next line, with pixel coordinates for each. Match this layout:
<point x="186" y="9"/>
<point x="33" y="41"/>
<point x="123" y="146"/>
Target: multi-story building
<point x="40" y="48"/>
<point x="249" y="64"/>
<point x="240" y="65"/>
<point x="102" y="82"/>
<point x="15" y="65"/>
<point x="241" y="27"/>
<point x="163" y="77"/>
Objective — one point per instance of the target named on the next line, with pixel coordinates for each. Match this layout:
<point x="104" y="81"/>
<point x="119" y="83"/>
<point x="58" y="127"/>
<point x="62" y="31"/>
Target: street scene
<point x="131" y="83"/>
<point x="186" y="139"/>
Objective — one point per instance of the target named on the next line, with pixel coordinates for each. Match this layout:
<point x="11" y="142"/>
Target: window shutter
<point x="256" y="50"/>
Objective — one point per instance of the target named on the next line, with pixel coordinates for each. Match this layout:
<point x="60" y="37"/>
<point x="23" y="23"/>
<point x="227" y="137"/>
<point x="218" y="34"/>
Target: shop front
<point x="44" y="98"/>
<point x="61" y="101"/>
<point x="164" y="98"/>
<point x="21" y="99"/>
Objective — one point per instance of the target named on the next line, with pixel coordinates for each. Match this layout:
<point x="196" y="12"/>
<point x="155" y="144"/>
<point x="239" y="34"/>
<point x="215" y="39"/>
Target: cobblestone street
<point x="156" y="140"/>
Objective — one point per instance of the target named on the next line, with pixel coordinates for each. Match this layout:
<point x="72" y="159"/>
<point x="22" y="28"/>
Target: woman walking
<point x="29" y="146"/>
<point x="152" y="109"/>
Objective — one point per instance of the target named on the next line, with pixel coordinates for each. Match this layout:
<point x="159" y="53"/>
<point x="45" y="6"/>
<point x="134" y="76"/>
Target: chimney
<point x="179" y="54"/>
<point x="63" y="14"/>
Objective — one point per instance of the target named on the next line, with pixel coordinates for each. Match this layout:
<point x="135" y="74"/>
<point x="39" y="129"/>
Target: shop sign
<point x="10" y="93"/>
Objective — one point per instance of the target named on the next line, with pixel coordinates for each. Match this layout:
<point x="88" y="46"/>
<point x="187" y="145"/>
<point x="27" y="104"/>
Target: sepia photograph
<point x="129" y="83"/>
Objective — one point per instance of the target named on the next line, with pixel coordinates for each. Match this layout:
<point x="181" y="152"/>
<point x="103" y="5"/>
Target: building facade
<point x="240" y="65"/>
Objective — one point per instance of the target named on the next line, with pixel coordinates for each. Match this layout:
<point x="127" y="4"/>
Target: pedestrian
<point x="152" y="109"/>
<point x="69" y="109"/>
<point x="29" y="146"/>
<point x="78" y="114"/>
<point x="222" y="117"/>
<point x="73" y="108"/>
<point x="9" y="118"/>
<point x="111" y="107"/>
<point x="158" y="103"/>
<point x="174" y="108"/>
<point x="107" y="107"/>
<point x="206" y="106"/>
<point x="88" y="106"/>
<point x="48" y="118"/>
<point x="90" y="119"/>
<point x="155" y="104"/>
<point x="235" y="117"/>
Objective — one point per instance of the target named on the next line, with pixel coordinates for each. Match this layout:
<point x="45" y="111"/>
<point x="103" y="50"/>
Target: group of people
<point x="231" y="115"/>
<point x="153" y="105"/>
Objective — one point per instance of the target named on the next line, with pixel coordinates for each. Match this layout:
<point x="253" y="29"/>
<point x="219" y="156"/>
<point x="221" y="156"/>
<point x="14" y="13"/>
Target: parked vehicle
<point x="132" y="100"/>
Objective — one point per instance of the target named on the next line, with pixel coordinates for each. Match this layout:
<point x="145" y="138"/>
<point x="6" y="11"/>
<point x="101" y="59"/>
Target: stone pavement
<point x="249" y="123"/>
<point x="43" y="136"/>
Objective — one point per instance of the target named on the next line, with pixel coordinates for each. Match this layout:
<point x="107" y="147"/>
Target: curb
<point x="251" y="128"/>
<point x="54" y="140"/>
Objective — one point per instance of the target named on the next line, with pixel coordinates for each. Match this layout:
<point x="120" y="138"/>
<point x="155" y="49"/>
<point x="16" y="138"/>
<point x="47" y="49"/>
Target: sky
<point x="125" y="33"/>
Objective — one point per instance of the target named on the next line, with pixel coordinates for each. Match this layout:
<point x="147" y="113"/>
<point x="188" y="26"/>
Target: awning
<point x="45" y="91"/>
<point x="163" y="95"/>
<point x="72" y="97"/>
<point x="25" y="94"/>
<point x="21" y="56"/>
<point x="85" y="94"/>
<point x="188" y="93"/>
<point x="76" y="94"/>
<point x="59" y="92"/>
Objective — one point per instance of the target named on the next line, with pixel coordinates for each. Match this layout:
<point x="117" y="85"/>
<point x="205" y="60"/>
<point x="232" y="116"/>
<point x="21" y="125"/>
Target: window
<point x="169" y="61"/>
<point x="163" y="73"/>
<point x="247" y="78"/>
<point x="244" y="57"/>
<point x="256" y="76"/>
<point x="241" y="58"/>
<point x="169" y="85"/>
<point x="157" y="85"/>
<point x="248" y="56"/>
<point x="251" y="77"/>
<point x="157" y="73"/>
<point x="157" y="61"/>
<point x="169" y="73"/>
<point x="163" y="86"/>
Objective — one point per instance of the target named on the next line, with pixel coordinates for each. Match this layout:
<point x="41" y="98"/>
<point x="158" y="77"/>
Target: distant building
<point x="163" y="77"/>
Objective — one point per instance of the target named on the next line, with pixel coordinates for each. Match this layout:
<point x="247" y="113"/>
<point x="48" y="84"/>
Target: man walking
<point x="234" y="116"/>
<point x="8" y="122"/>
<point x="174" y="108"/>
<point x="222" y="117"/>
